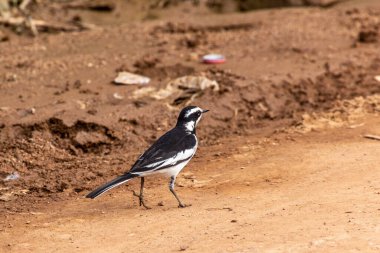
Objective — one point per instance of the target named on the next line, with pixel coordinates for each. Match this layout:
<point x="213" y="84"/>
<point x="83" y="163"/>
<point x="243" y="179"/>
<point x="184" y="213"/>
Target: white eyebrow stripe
<point x="191" y="111"/>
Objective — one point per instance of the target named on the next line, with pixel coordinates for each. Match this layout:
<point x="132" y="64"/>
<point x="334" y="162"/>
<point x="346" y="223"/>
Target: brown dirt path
<point x="318" y="192"/>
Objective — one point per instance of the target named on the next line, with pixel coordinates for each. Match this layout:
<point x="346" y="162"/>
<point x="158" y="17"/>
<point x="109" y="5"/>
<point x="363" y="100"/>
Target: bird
<point x="168" y="156"/>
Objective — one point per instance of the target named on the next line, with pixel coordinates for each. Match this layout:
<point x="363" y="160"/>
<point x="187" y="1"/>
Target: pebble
<point x="81" y="104"/>
<point x="130" y="78"/>
<point x="117" y="96"/>
<point x="183" y="247"/>
<point x="32" y="110"/>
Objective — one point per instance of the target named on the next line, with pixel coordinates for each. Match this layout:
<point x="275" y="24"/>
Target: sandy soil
<point x="59" y="111"/>
<point x="317" y="192"/>
<point x="282" y="164"/>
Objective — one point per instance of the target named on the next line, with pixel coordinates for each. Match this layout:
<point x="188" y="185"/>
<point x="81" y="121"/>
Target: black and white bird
<point x="168" y="155"/>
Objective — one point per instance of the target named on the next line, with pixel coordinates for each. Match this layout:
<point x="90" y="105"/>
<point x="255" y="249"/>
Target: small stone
<point x="117" y="96"/>
<point x="81" y="104"/>
<point x="130" y="78"/>
<point x="233" y="221"/>
<point x="193" y="57"/>
<point x="368" y="36"/>
<point x="92" y="111"/>
<point x="36" y="213"/>
<point x="183" y="247"/>
<point x="3" y="37"/>
<point x="32" y="110"/>
<point x="6" y="197"/>
<point x="5" y="108"/>
<point x="13" y="176"/>
<point x="10" y="77"/>
<point x="160" y="203"/>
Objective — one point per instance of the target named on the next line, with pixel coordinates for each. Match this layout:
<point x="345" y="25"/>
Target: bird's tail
<point x="108" y="186"/>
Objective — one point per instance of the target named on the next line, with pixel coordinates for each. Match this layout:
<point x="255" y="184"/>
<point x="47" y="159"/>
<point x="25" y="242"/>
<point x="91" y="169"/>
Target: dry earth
<point x="282" y="165"/>
<point x="317" y="192"/>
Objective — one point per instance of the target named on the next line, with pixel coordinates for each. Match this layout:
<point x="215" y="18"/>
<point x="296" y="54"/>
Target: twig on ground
<point x="373" y="137"/>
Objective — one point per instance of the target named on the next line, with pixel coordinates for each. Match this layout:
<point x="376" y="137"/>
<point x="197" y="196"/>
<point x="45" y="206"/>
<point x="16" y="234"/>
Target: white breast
<point x="173" y="171"/>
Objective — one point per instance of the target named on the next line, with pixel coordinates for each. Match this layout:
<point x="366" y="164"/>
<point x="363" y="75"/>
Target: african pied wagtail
<point x="168" y="155"/>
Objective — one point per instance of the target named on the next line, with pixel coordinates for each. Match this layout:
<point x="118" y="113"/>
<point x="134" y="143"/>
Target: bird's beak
<point x="204" y="111"/>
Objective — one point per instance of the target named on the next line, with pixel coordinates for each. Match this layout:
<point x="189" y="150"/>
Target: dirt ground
<point x="317" y="192"/>
<point x="282" y="164"/>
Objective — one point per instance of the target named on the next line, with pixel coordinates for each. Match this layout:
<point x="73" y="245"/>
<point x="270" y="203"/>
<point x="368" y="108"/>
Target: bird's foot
<point x="142" y="203"/>
<point x="141" y="200"/>
<point x="183" y="205"/>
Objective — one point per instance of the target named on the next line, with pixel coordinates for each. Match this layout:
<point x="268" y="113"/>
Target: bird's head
<point x="189" y="117"/>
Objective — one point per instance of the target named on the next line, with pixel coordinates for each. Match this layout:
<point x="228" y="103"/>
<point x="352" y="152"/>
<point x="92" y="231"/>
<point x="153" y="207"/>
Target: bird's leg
<point x="141" y="196"/>
<point x="171" y="187"/>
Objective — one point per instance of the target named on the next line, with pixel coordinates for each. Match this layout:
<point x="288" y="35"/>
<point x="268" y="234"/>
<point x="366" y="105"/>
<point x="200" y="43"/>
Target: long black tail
<point x="108" y="186"/>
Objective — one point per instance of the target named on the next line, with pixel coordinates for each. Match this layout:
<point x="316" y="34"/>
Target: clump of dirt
<point x="47" y="154"/>
<point x="86" y="136"/>
<point x="348" y="112"/>
<point x="53" y="157"/>
<point x="226" y="79"/>
<point x="286" y="99"/>
<point x="240" y="104"/>
<point x="151" y="67"/>
<point x="194" y="37"/>
<point x="193" y="41"/>
<point x="367" y="23"/>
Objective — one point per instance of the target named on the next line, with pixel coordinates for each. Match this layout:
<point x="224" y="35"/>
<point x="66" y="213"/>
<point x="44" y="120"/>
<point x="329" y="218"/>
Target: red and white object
<point x="213" y="59"/>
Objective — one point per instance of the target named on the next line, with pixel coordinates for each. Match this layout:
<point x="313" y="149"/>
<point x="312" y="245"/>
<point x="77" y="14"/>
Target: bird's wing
<point x="170" y="149"/>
